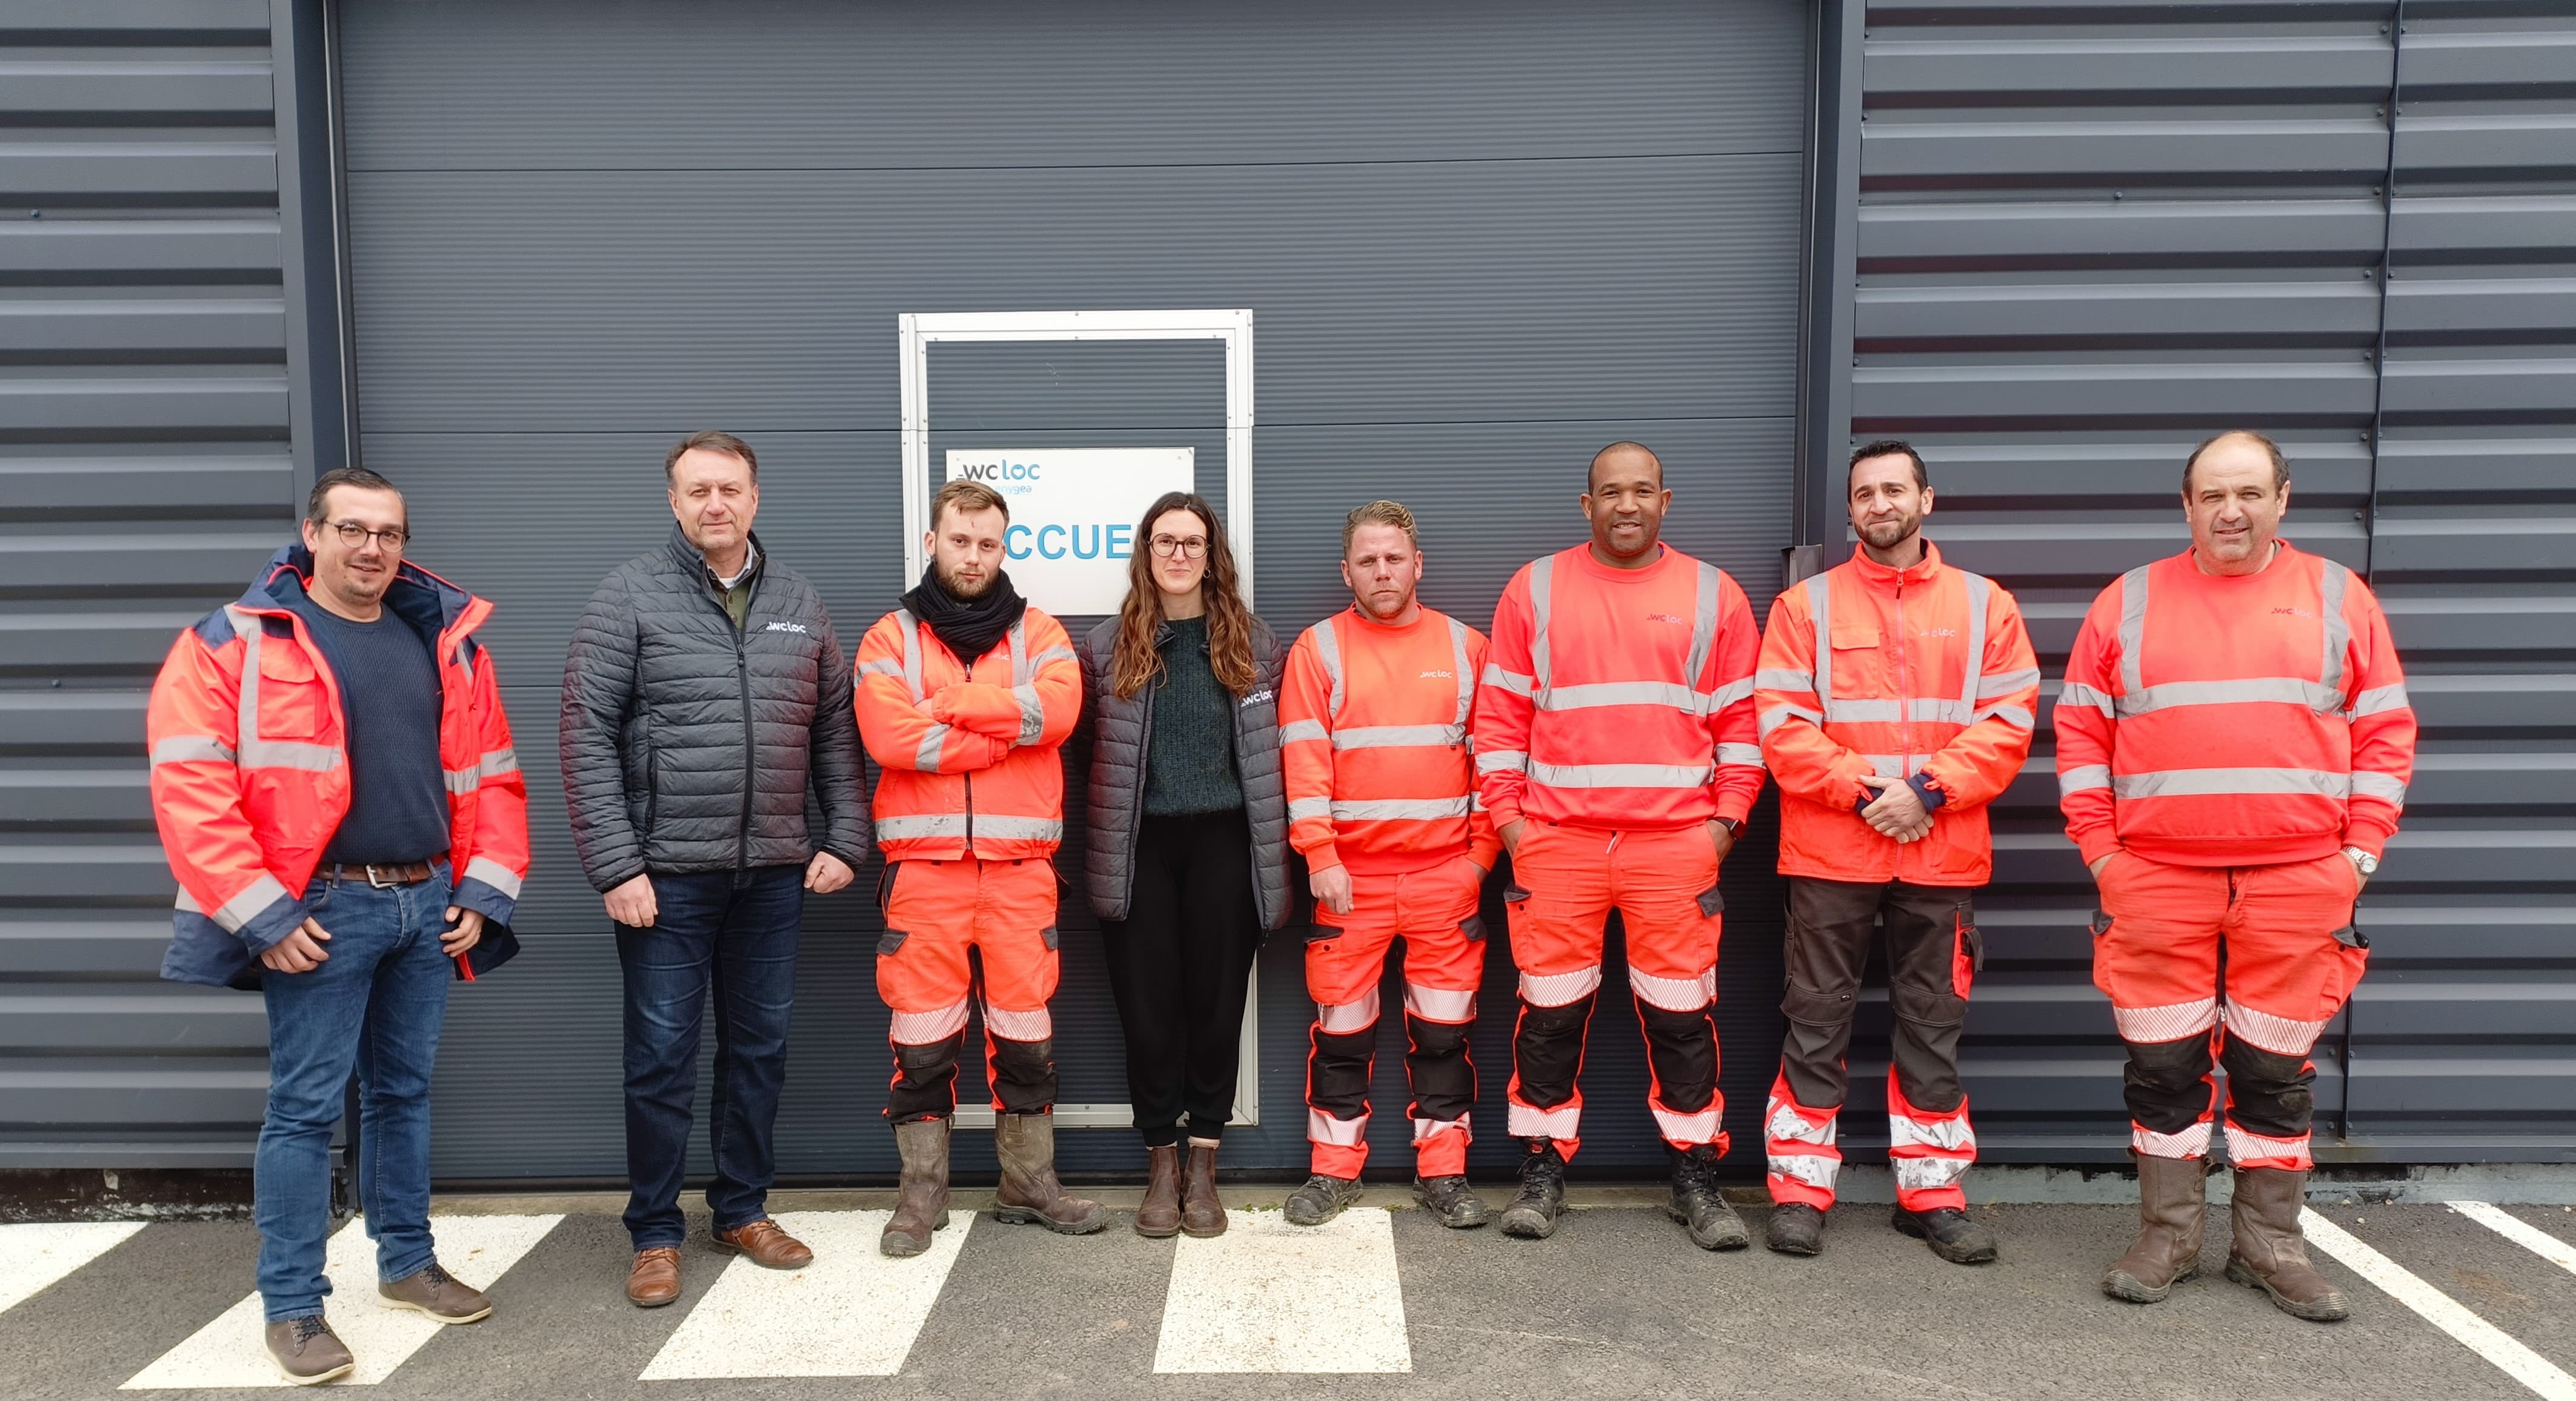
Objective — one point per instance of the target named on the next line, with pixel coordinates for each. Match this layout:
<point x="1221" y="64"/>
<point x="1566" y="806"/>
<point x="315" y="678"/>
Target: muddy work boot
<point x="1159" y="1215"/>
<point x="1536" y="1207"/>
<point x="1796" y="1229"/>
<point x="1202" y="1215"/>
<point x="1450" y="1201"/>
<point x="307" y="1351"/>
<point x="1029" y="1194"/>
<point x="433" y="1291"/>
<point x="1699" y="1206"/>
<point x="1321" y="1199"/>
<point x="2270" y="1254"/>
<point x="2173" y="1211"/>
<point x="921" y="1199"/>
<point x="1951" y="1233"/>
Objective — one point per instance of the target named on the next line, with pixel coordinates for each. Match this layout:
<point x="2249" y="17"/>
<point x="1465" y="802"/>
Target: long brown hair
<point x="1135" y="663"/>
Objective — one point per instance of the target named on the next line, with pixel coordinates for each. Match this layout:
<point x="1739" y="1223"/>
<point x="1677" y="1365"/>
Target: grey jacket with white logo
<point x="689" y="746"/>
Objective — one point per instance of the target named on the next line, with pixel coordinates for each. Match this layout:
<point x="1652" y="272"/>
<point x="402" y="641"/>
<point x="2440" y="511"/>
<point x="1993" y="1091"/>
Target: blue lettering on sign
<point x="1078" y="551"/>
<point x="1118" y="540"/>
<point x="1011" y="542"/>
<point x="1044" y="531"/>
<point x="1078" y="541"/>
<point x="999" y="471"/>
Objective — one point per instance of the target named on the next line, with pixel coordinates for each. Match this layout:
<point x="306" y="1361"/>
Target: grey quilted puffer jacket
<point x="1114" y="804"/>
<point x="690" y="747"/>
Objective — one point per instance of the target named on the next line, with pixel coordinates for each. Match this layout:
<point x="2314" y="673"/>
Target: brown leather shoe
<point x="2173" y="1211"/>
<point x="433" y="1291"/>
<point x="307" y="1351"/>
<point x="1160" y="1213"/>
<point x="1201" y="1213"/>
<point x="654" y="1279"/>
<point x="767" y="1245"/>
<point x="1025" y="1143"/>
<point x="2270" y="1253"/>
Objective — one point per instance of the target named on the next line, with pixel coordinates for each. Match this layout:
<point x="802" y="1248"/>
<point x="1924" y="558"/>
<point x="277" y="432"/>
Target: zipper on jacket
<point x="742" y="680"/>
<point x="1904" y="685"/>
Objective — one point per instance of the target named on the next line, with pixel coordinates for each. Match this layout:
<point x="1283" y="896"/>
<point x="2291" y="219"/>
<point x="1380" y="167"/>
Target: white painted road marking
<point x="2439" y="1309"/>
<point x="33" y="1256"/>
<point x="2520" y="1232"/>
<point x="1271" y="1297"/>
<point x="232" y="1350"/>
<point x="852" y="1313"/>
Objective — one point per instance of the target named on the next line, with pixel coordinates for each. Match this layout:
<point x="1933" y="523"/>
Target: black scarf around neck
<point x="967" y="626"/>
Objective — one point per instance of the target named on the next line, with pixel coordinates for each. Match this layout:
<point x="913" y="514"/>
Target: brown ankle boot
<point x="1029" y="1192"/>
<point x="1160" y="1213"/>
<point x="1201" y="1213"/>
<point x="921" y="1204"/>
<point x="2173" y="1213"/>
<point x="2269" y="1252"/>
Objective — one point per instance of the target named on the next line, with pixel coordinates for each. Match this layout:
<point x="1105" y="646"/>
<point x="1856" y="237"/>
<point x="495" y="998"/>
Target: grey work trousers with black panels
<point x="1933" y="951"/>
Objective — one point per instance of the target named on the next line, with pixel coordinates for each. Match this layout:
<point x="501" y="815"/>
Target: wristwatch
<point x="1734" y="825"/>
<point x="2362" y="861"/>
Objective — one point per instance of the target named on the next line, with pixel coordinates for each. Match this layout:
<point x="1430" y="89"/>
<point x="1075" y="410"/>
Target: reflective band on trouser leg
<point x="1930" y="1152"/>
<point x="1547" y="1064"/>
<point x="1340" y="1146"/>
<point x="1799" y="1144"/>
<point x="1440" y="1147"/>
<point x="2246" y="1149"/>
<point x="1339" y="1066"/>
<point x="2192" y="1142"/>
<point x="1681" y="1075"/>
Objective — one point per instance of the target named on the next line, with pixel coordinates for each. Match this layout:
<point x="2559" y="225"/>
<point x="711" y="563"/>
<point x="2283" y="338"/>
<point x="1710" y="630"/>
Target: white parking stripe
<point x="232" y="1350"/>
<point x="2520" y="1232"/>
<point x="852" y="1313"/>
<point x="2439" y="1309"/>
<point x="1271" y="1297"/>
<point x="34" y="1256"/>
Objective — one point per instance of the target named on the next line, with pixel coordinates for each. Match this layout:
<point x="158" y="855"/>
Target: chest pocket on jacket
<point x="292" y="702"/>
<point x="1853" y="634"/>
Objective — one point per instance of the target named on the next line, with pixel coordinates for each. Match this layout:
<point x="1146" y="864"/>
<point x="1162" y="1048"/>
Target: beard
<point x="964" y="588"/>
<point x="1890" y="534"/>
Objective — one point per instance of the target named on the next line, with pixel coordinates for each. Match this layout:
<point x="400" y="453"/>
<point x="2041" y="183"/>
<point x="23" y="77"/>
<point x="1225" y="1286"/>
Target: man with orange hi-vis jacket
<point x="1374" y="746"/>
<point x="1896" y="697"/>
<point x="966" y="694"/>
<point x="1616" y="751"/>
<point x="2233" y="746"/>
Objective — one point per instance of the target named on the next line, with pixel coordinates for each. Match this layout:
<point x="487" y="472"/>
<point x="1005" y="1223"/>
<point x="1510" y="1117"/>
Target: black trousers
<point x="1178" y="967"/>
<point x="1931" y="932"/>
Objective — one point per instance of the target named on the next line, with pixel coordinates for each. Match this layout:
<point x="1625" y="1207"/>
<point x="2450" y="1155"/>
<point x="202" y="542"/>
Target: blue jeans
<point x="377" y="1002"/>
<point x="734" y="931"/>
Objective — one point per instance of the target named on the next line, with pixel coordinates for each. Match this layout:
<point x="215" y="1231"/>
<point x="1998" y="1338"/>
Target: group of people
<point x="338" y="791"/>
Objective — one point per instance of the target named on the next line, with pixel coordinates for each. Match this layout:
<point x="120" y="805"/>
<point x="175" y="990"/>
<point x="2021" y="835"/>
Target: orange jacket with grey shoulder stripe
<point x="1374" y="733"/>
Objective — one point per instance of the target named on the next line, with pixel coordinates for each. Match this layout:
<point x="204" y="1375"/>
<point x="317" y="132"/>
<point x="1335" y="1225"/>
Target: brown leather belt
<point x="383" y="877"/>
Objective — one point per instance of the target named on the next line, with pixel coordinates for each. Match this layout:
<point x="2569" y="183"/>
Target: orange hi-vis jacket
<point x="969" y="751"/>
<point x="1375" y="747"/>
<point x="1873" y="670"/>
<point x="1619" y="698"/>
<point x="2210" y="720"/>
<point x="250" y="770"/>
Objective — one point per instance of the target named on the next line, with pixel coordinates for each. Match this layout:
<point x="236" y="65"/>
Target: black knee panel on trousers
<point x="1337" y="1074"/>
<point x="1682" y="1047"/>
<point x="1023" y="1075"/>
<point x="1925" y="1046"/>
<point x="2167" y="1084"/>
<point x="925" y="1080"/>
<point x="1547" y="1048"/>
<point x="2268" y="1093"/>
<point x="1443" y="1078"/>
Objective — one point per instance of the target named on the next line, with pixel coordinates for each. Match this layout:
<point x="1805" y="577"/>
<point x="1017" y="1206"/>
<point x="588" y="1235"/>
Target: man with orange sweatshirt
<point x="1616" y="751"/>
<point x="1374" y="743"/>
<point x="2233" y="746"/>
<point x="1895" y="700"/>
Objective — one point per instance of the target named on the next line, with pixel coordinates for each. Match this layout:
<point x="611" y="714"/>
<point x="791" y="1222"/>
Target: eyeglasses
<point x="1170" y="545"/>
<point x="354" y="535"/>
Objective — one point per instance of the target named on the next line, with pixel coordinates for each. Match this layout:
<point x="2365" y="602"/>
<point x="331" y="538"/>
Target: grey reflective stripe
<point x="945" y="824"/>
<point x="1387" y="809"/>
<point x="179" y="749"/>
<point x="2006" y="682"/>
<point x="2379" y="785"/>
<point x="1018" y="637"/>
<point x="1035" y="829"/>
<point x="1783" y="679"/>
<point x="1511" y="681"/>
<point x="1512" y="760"/>
<point x="1599" y="693"/>
<point x="498" y="761"/>
<point x="2133" y="629"/>
<point x="880" y="666"/>
<point x="2077" y="693"/>
<point x="2283" y="690"/>
<point x="2338" y="631"/>
<point x="1820" y="612"/>
<point x="926" y="758"/>
<point x="245" y="907"/>
<point x="493" y="874"/>
<point x="1726" y="695"/>
<point x="1748" y="754"/>
<point x="1779" y="715"/>
<point x="2373" y="701"/>
<point x="2083" y="778"/>
<point x="250" y="751"/>
<point x="1297" y="731"/>
<point x="1054" y="654"/>
<point x="2013" y="713"/>
<point x="1888" y="712"/>
<point x="1396" y="736"/>
<point x="911" y="652"/>
<point x="1542" y="588"/>
<point x="1328" y="650"/>
<point x="1703" y="624"/>
<point x="1619" y="775"/>
<point x="1466" y="678"/>
<point x="1980" y="589"/>
<point x="462" y="781"/>
<point x="2195" y="783"/>
<point x="1893" y="765"/>
<point x="1032" y="712"/>
<point x="1300" y="809"/>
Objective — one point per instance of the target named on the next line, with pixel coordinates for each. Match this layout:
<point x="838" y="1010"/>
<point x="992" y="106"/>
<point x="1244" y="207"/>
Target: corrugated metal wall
<point x="2090" y="234"/>
<point x="144" y="411"/>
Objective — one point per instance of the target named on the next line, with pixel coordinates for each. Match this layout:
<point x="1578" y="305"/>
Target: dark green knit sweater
<point x="1189" y="758"/>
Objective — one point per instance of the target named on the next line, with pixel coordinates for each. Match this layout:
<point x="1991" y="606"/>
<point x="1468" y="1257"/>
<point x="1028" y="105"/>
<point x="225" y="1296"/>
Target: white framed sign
<point x="1074" y="513"/>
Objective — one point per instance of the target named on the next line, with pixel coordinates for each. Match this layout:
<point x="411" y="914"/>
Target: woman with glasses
<point x="1188" y="858"/>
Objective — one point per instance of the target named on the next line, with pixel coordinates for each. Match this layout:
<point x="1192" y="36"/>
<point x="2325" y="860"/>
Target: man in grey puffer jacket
<point x="705" y="698"/>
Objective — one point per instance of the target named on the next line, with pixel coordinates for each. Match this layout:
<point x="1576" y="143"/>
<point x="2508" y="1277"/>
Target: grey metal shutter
<point x="1480" y="241"/>
<point x="2089" y="236"/>
<point x="144" y="417"/>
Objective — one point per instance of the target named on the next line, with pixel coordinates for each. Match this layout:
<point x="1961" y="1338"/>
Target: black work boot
<point x="1698" y="1205"/>
<point x="1321" y="1199"/>
<point x="1796" y="1229"/>
<point x="1949" y="1232"/>
<point x="1450" y="1201"/>
<point x="1535" y="1208"/>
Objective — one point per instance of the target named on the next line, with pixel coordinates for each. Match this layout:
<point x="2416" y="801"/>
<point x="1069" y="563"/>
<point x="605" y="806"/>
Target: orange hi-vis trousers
<point x="934" y="912"/>
<point x="1566" y="880"/>
<point x="2292" y="957"/>
<point x="1434" y="910"/>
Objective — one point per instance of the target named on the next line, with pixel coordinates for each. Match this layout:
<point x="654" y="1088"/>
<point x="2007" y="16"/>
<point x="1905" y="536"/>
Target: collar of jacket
<point x="695" y="565"/>
<point x="416" y="596"/>
<point x="1879" y="576"/>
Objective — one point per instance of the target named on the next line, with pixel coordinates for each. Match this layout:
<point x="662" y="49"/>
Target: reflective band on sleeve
<point x="2378" y="699"/>
<point x="1018" y="1026"/>
<point x="1032" y="713"/>
<point x="1948" y="1135"/>
<point x="499" y="761"/>
<point x="1688" y="1129"/>
<point x="926" y="1028"/>
<point x="1783" y="679"/>
<point x="1299" y="731"/>
<point x="1398" y="736"/>
<point x="899" y="829"/>
<point x="1558" y="989"/>
<point x="462" y="781"/>
<point x="1398" y="809"/>
<point x="1516" y="760"/>
<point x="926" y="757"/>
<point x="2196" y="783"/>
<point x="2380" y="786"/>
<point x="2150" y="1025"/>
<point x="1980" y="589"/>
<point x="1459" y="669"/>
<point x="1054" y="654"/>
<point x="2005" y="683"/>
<point x="1726" y="695"/>
<point x="2133" y="630"/>
<point x="1619" y="775"/>
<point x="1020" y="829"/>
<point x="911" y="652"/>
<point x="2013" y="713"/>
<point x="1561" y="1122"/>
<point x="1341" y="1133"/>
<point x="880" y="666"/>
<point x="2077" y="693"/>
<point x="1018" y="637"/>
<point x="2192" y="1142"/>
<point x="2279" y="1035"/>
<point x="1328" y="650"/>
<point x="1818" y="1172"/>
<point x="1675" y="994"/>
<point x="1928" y="1174"/>
<point x="2083" y="778"/>
<point x="245" y="907"/>
<point x="1341" y="1019"/>
<point x="1703" y="623"/>
<point x="1450" y="1005"/>
<point x="1779" y="715"/>
<point x="1542" y="586"/>
<point x="1749" y="755"/>
<point x="1511" y="681"/>
<point x="1300" y="809"/>
<point x="181" y="749"/>
<point x="1601" y="693"/>
<point x="2338" y="631"/>
<point x="493" y="874"/>
<point x="1820" y="615"/>
<point x="290" y="754"/>
<point x="2282" y="690"/>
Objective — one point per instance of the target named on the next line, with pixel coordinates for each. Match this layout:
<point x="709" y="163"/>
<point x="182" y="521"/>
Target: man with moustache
<point x="1374" y="742"/>
<point x="966" y="695"/>
<point x="1895" y="701"/>
<point x="705" y="702"/>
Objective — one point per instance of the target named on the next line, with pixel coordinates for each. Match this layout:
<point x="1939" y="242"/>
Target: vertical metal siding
<point x="143" y="437"/>
<point x="2092" y="234"/>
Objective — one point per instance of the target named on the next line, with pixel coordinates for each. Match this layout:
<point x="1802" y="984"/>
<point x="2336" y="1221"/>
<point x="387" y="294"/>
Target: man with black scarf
<point x="964" y="695"/>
